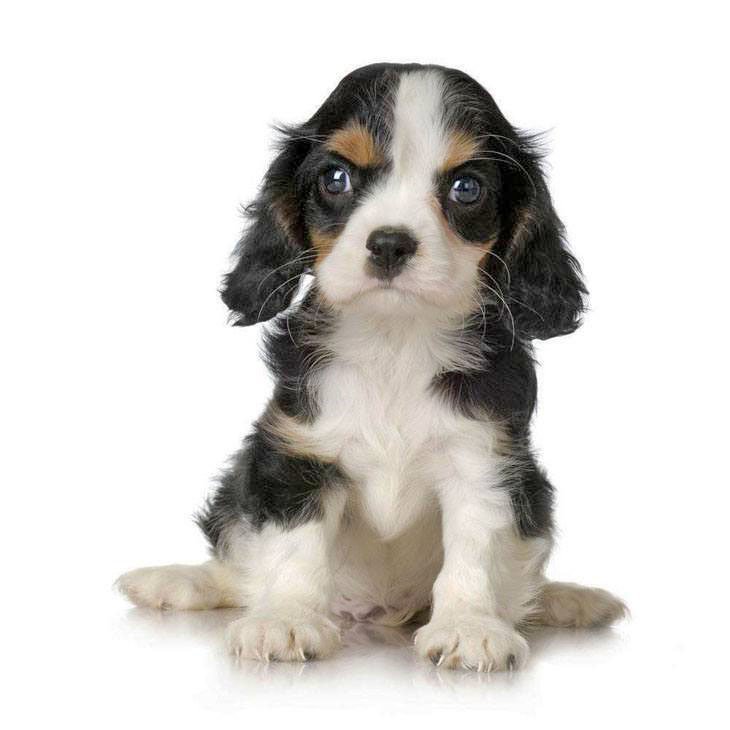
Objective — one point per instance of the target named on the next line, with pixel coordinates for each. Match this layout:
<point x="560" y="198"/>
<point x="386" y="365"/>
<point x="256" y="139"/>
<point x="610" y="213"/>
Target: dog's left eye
<point x="465" y="190"/>
<point x="336" y="181"/>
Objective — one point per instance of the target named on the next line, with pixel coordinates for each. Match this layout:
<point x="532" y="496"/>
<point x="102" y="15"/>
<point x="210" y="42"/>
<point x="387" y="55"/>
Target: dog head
<point x="408" y="191"/>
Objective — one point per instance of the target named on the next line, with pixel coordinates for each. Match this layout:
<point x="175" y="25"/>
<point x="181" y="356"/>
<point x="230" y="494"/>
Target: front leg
<point x="290" y="587"/>
<point x="274" y="519"/>
<point x="468" y="627"/>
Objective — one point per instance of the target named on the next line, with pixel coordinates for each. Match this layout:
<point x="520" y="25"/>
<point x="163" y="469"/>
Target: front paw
<point x="286" y="638"/>
<point x="480" y="643"/>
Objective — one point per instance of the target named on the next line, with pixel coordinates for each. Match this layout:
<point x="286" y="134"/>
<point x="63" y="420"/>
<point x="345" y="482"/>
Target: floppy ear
<point x="546" y="292"/>
<point x="271" y="255"/>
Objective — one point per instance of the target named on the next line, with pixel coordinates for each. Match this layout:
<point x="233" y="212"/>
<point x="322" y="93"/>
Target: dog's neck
<point x="423" y="340"/>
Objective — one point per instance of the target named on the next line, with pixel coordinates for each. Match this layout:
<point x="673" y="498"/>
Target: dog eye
<point x="336" y="181"/>
<point x="465" y="190"/>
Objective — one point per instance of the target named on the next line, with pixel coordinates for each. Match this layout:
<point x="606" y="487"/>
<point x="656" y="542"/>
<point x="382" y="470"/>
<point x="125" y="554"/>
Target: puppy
<point x="391" y="474"/>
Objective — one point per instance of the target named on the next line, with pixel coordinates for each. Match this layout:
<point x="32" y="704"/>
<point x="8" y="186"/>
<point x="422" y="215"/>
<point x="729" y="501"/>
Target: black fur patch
<point x="265" y="484"/>
<point x="292" y="347"/>
<point x="531" y="494"/>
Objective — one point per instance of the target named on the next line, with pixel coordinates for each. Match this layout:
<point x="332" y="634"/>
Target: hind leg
<point x="184" y="587"/>
<point x="284" y="582"/>
<point x="568" y="605"/>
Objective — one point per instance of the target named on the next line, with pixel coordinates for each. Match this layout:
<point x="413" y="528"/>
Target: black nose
<point x="390" y="248"/>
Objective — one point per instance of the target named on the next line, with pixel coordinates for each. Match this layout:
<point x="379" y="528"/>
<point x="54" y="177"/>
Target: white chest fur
<point x="382" y="423"/>
<point x="381" y="419"/>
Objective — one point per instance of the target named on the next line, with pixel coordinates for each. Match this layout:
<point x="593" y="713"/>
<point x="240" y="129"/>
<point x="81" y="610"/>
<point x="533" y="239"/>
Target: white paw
<point x="291" y="638"/>
<point x="574" y="606"/>
<point x="169" y="586"/>
<point x="480" y="643"/>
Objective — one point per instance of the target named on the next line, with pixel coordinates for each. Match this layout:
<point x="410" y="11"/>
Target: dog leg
<point x="289" y="584"/>
<point x="184" y="587"/>
<point x="469" y="628"/>
<point x="569" y="605"/>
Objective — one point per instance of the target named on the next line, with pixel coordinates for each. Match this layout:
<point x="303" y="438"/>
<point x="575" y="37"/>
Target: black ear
<point x="546" y="291"/>
<point x="272" y="255"/>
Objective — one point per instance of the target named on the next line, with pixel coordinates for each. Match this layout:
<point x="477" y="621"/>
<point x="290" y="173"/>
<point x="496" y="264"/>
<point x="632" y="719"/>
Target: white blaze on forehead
<point x="418" y="148"/>
<point x="419" y="142"/>
<point x="440" y="272"/>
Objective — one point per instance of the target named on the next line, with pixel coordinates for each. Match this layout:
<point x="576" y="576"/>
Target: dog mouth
<point x="395" y="294"/>
<point x="397" y="284"/>
<point x="388" y="292"/>
<point x="406" y="289"/>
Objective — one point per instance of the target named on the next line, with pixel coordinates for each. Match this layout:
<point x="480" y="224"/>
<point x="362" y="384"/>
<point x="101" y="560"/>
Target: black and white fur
<point x="391" y="475"/>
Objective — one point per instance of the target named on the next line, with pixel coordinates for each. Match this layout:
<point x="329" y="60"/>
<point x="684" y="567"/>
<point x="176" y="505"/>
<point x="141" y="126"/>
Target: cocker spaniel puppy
<point x="391" y="474"/>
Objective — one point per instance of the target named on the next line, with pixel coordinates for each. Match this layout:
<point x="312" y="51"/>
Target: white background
<point x="129" y="135"/>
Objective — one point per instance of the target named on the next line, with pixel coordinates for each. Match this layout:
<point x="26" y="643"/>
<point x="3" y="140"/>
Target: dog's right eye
<point x="336" y="181"/>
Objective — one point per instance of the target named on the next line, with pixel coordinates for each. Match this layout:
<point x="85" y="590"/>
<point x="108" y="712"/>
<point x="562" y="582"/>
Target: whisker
<point x="288" y="329"/>
<point x="506" y="268"/>
<point x="510" y="159"/>
<point x="509" y="311"/>
<point x="316" y="311"/>
<point x="496" y="283"/>
<point x="289" y="134"/>
<point x="299" y="257"/>
<point x="332" y="226"/>
<point x="491" y="135"/>
<point x="483" y="310"/>
<point x="296" y="276"/>
<point x="527" y="306"/>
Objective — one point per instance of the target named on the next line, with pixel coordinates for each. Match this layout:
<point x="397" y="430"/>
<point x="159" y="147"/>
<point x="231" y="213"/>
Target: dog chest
<point x="382" y="425"/>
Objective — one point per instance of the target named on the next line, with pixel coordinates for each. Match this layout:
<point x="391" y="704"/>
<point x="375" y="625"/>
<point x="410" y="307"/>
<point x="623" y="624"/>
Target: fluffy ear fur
<point x="272" y="254"/>
<point x="545" y="289"/>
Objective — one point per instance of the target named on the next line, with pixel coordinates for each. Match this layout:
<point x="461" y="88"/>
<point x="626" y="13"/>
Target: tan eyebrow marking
<point x="461" y="148"/>
<point x="355" y="143"/>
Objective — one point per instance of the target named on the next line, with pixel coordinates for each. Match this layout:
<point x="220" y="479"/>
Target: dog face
<point x="407" y="192"/>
